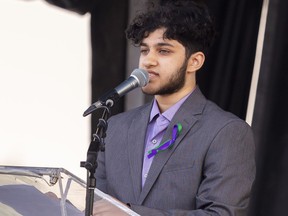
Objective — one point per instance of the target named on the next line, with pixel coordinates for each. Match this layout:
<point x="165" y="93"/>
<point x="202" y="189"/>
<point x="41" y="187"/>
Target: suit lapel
<point x="136" y="142"/>
<point x="187" y="116"/>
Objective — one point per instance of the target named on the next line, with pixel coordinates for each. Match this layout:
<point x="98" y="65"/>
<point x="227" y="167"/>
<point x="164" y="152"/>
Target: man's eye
<point x="144" y="51"/>
<point x="164" y="51"/>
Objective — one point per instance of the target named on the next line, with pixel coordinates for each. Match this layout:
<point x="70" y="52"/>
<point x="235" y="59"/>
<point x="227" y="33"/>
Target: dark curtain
<point x="226" y="76"/>
<point x="270" y="120"/>
<point x="108" y="23"/>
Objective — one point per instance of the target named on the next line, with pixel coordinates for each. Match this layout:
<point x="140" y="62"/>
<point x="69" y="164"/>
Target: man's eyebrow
<point x="143" y="44"/>
<point x="158" y="44"/>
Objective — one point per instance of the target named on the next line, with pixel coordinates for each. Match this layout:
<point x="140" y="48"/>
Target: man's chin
<point x="148" y="91"/>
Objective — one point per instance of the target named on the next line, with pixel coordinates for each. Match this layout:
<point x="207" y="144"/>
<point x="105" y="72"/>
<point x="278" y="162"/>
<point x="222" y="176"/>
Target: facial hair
<point x="174" y="84"/>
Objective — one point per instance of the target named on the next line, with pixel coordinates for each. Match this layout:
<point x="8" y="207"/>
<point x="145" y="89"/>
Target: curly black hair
<point x="186" y="21"/>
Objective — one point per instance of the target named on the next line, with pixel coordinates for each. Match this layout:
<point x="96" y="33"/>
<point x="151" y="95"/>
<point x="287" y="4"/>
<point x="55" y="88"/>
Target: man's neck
<point x="166" y="101"/>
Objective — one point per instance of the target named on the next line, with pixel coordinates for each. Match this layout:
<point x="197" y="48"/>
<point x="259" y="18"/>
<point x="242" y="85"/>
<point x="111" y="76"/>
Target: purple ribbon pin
<point x="175" y="133"/>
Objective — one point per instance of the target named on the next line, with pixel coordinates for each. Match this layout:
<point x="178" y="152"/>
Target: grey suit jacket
<point x="208" y="171"/>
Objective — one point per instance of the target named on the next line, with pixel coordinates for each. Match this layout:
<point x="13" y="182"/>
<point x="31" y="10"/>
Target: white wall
<point x="44" y="86"/>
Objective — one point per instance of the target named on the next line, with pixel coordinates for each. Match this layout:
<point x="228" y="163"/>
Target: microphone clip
<point x="108" y="99"/>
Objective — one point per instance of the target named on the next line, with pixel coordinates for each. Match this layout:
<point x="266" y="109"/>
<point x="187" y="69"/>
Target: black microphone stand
<point x="91" y="163"/>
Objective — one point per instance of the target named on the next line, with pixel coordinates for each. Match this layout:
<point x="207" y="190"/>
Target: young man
<point x="181" y="154"/>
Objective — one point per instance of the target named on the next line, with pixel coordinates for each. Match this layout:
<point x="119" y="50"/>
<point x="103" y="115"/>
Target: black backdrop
<point x="226" y="76"/>
<point x="225" y="79"/>
<point x="270" y="120"/>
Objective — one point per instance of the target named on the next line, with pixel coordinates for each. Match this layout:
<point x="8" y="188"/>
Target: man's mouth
<point x="152" y="74"/>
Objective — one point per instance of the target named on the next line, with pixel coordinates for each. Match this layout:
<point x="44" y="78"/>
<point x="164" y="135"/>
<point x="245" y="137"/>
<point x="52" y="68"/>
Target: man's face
<point x="165" y="62"/>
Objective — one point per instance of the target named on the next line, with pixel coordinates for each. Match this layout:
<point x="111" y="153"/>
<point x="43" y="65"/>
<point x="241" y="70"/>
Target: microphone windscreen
<point x="142" y="76"/>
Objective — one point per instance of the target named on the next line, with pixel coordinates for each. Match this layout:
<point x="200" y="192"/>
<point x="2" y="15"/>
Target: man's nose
<point x="150" y="60"/>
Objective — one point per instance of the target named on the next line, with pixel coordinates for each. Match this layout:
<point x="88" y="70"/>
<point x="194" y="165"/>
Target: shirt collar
<point x="169" y="113"/>
<point x="154" y="111"/>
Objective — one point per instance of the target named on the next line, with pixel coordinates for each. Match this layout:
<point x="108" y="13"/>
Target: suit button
<point x="154" y="141"/>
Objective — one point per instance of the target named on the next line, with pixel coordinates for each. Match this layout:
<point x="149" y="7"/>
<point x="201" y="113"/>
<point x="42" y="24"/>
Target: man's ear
<point x="195" y="61"/>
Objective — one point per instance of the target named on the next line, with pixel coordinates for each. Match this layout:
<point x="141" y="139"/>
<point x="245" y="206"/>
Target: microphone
<point x="138" y="78"/>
